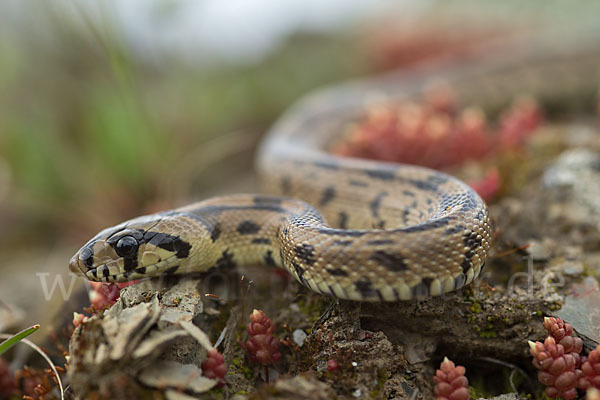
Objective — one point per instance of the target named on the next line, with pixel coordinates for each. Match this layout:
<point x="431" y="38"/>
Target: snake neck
<point x="231" y="231"/>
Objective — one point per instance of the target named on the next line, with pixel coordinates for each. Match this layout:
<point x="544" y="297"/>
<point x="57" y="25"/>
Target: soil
<point x="544" y="263"/>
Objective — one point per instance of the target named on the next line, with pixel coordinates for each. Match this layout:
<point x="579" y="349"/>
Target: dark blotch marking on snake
<point x="450" y="200"/>
<point x="306" y="253"/>
<point x="466" y="262"/>
<point x="267" y="200"/>
<point x="471" y="241"/>
<point x="300" y="272"/>
<point x="381" y="174"/>
<point x="247" y="228"/>
<point x="366" y="289"/>
<point x="226" y="260"/>
<point x="335" y="232"/>
<point x="172" y="243"/>
<point x="327" y="165"/>
<point x="215" y="232"/>
<point x="343" y="220"/>
<point x="337" y="272"/>
<point x="343" y="242"/>
<point x="268" y="258"/>
<point x="454" y="229"/>
<point x="354" y="182"/>
<point x="141" y="270"/>
<point x="87" y="256"/>
<point x="286" y="184"/>
<point x="379" y="225"/>
<point x="380" y="242"/>
<point x="391" y="261"/>
<point x="471" y="202"/>
<point x="405" y="214"/>
<point x="460" y="280"/>
<point x="105" y="272"/>
<point x="376" y="203"/>
<point x="467" y="200"/>
<point x="422" y="288"/>
<point x="148" y="235"/>
<point x="129" y="263"/>
<point x="261" y="241"/>
<point x="426" y="226"/>
<point x="431" y="183"/>
<point x="480" y="216"/>
<point x="327" y="196"/>
<point x="423" y="185"/>
<point x="172" y="270"/>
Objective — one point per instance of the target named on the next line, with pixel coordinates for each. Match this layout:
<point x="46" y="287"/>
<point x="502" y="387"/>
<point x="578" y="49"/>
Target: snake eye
<point x="127" y="246"/>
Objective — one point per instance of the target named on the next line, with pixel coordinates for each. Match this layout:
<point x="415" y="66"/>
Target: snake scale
<point x="348" y="228"/>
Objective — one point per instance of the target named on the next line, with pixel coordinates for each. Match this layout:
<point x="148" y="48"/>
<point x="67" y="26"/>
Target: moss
<point x="488" y="334"/>
<point x="475" y="308"/>
<point x="247" y="373"/>
<point x="311" y="306"/>
<point x="589" y="270"/>
<point x="382" y="377"/>
<point x="477" y="388"/>
<point x="555" y="306"/>
<point x="239" y="367"/>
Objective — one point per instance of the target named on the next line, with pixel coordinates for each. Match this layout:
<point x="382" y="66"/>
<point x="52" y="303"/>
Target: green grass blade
<point x="10" y="342"/>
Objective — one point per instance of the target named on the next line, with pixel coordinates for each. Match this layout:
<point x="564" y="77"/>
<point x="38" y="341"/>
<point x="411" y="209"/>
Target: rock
<point x="299" y="336"/>
<point x="576" y="173"/>
<point x="582" y="310"/>
<point x="170" y="374"/>
<point x="144" y="340"/>
<point x="303" y="387"/>
<point x="506" y="396"/>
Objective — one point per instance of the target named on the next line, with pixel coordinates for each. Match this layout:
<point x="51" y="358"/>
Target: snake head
<point x="139" y="248"/>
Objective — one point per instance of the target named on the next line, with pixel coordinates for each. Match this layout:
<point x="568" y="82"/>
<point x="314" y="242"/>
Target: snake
<point x="353" y="229"/>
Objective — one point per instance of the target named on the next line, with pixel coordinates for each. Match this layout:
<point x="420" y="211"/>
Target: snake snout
<point x="82" y="261"/>
<point x="74" y="265"/>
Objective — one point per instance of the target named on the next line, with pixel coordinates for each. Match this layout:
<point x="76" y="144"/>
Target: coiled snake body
<point x="382" y="232"/>
<point x="429" y="233"/>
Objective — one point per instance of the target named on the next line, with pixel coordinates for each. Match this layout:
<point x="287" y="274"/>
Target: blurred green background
<point x="110" y="110"/>
<point x="90" y="134"/>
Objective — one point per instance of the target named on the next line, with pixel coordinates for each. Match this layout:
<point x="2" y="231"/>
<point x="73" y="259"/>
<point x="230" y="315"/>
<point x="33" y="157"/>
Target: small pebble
<point x="299" y="337"/>
<point x="574" y="268"/>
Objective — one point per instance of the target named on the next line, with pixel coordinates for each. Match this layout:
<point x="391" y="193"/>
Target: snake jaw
<point x="165" y="266"/>
<point x="74" y="265"/>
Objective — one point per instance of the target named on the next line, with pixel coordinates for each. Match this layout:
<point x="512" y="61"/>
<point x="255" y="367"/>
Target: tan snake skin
<point x="393" y="232"/>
